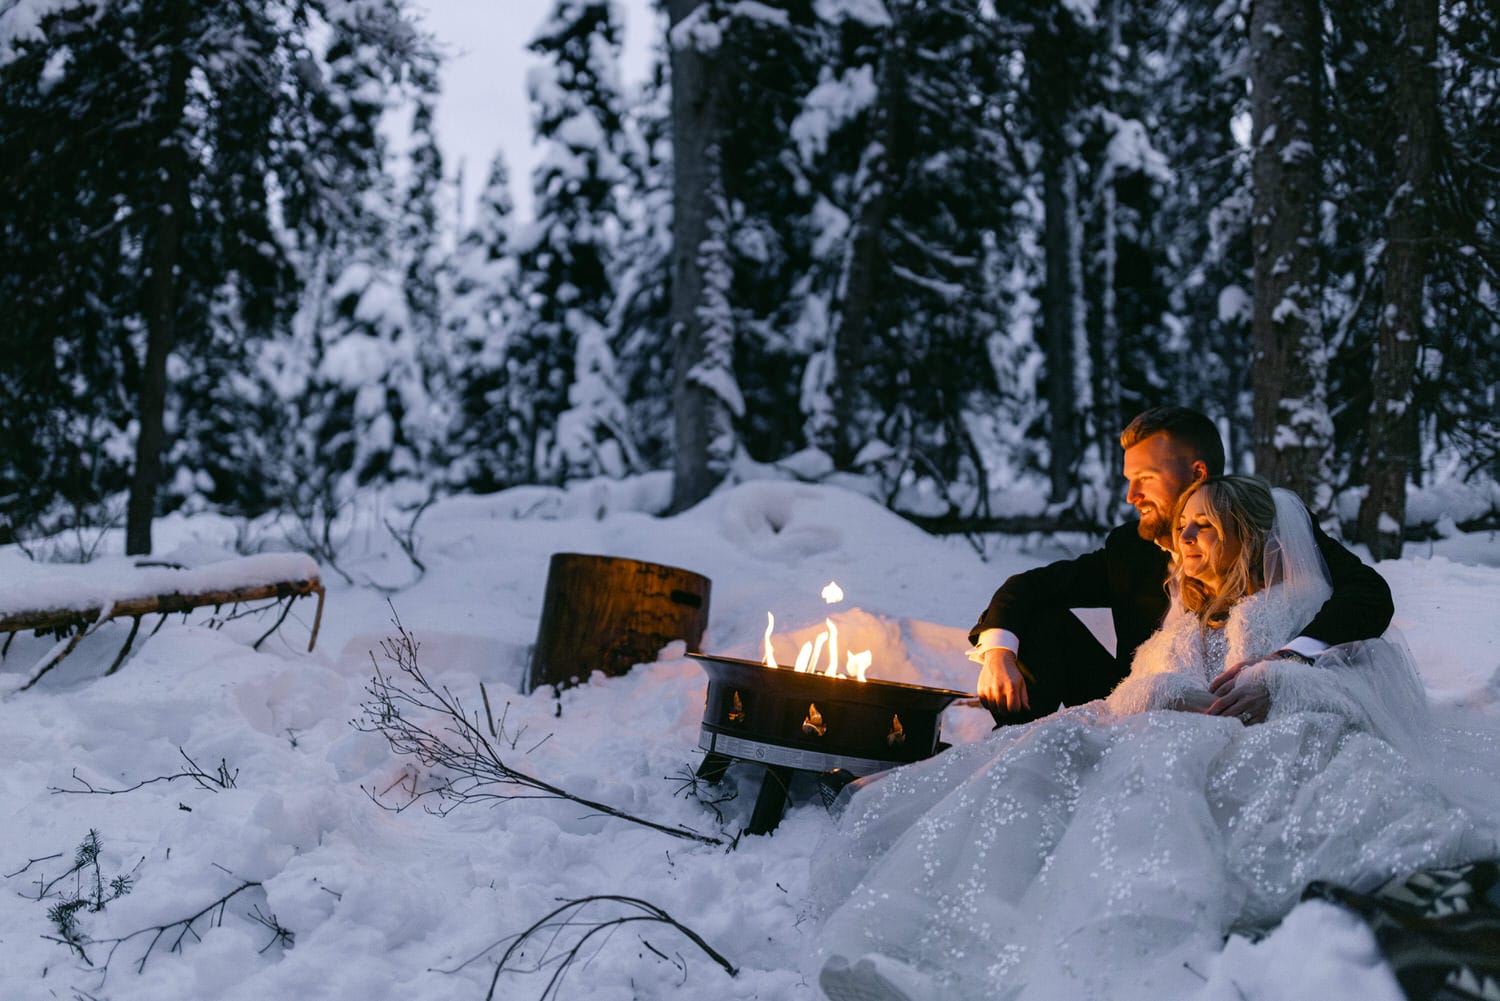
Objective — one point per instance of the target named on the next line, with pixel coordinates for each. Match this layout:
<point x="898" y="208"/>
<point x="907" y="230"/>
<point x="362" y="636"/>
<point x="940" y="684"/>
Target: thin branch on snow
<point x="221" y="778"/>
<point x="212" y="915"/>
<point x="690" y="786"/>
<point x="32" y="862"/>
<point x="563" y="935"/>
<point x="454" y="744"/>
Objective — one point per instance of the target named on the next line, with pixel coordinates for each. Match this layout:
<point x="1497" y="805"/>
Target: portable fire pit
<point x="789" y="721"/>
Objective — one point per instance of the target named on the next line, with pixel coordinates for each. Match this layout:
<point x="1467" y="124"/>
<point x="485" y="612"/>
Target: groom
<point x="1035" y="653"/>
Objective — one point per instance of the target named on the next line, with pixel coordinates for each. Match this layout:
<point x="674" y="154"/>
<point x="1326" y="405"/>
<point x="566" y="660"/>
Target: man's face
<point x="1157" y="470"/>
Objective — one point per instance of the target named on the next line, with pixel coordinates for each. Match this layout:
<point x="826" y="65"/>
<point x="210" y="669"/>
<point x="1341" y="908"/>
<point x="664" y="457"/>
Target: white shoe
<point x="873" y="977"/>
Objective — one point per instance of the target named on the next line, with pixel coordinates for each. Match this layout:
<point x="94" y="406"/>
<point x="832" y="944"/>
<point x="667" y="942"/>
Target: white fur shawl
<point x="1173" y="662"/>
<point x="1371" y="684"/>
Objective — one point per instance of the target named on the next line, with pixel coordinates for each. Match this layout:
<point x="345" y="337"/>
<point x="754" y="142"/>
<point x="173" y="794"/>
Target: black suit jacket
<point x="1128" y="576"/>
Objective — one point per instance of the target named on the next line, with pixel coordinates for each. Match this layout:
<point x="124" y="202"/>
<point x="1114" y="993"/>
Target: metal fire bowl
<point x="755" y="713"/>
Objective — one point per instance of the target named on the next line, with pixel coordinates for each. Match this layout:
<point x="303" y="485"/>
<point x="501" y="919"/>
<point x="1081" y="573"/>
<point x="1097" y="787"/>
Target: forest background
<point x="950" y="246"/>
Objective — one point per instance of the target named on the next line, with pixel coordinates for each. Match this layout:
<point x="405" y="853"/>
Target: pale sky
<point x="484" y="106"/>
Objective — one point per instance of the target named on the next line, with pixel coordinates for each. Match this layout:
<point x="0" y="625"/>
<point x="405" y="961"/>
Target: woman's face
<point x="1205" y="549"/>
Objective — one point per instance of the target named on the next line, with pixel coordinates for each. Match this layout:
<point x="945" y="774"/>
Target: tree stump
<point x="606" y="613"/>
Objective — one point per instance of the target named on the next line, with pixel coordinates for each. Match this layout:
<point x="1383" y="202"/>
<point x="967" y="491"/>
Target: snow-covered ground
<point x="420" y="907"/>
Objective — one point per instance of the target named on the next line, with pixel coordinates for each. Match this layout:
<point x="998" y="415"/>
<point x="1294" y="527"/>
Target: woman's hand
<point x="1001" y="686"/>
<point x="1241" y="694"/>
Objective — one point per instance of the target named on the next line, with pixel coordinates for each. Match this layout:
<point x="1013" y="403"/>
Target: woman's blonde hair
<point x="1242" y="510"/>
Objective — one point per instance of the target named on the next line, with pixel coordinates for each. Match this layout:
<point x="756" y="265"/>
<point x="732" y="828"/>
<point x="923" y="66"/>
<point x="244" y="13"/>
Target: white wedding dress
<point x="1105" y="851"/>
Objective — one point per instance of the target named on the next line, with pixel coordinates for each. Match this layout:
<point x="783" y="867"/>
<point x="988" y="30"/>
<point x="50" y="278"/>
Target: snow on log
<point x="73" y="597"/>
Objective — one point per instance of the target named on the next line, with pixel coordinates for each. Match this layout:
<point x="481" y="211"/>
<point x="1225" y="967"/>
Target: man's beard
<point x="1153" y="526"/>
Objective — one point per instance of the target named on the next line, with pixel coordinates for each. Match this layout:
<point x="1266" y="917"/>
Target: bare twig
<point x="689" y="785"/>
<point x="467" y="766"/>
<point x="285" y="610"/>
<point x="32" y="862"/>
<point x="314" y="519"/>
<point x="489" y="713"/>
<point x="135" y="627"/>
<point x="221" y="778"/>
<point x="55" y="656"/>
<point x="406" y="537"/>
<point x="565" y="935"/>
<point x="280" y="934"/>
<point x="184" y="927"/>
<point x="513" y="738"/>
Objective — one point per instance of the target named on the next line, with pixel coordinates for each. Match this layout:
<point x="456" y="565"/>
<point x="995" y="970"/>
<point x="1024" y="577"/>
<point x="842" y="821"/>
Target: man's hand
<point x="1244" y="696"/>
<point x="1001" y="686"/>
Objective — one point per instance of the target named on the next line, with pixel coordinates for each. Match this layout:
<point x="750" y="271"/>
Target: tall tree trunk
<point x="1059" y="197"/>
<point x="1051" y="65"/>
<point x="1393" y="413"/>
<point x="1106" y="358"/>
<point x="1292" y="430"/>
<point x="161" y="286"/>
<point x="704" y="400"/>
<point x="865" y="265"/>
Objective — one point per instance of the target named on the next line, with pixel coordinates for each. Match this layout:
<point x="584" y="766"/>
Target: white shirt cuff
<point x="1306" y="646"/>
<point x="992" y="639"/>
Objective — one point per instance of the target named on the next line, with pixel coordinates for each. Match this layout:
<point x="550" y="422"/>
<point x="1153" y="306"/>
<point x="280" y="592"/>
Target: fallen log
<point x="73" y="602"/>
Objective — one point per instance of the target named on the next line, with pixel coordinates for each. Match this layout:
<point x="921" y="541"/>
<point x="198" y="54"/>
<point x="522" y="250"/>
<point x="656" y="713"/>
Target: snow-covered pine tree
<point x="1400" y="401"/>
<point x="425" y="247"/>
<point x="560" y="396"/>
<point x="1411" y="107"/>
<point x="1189" y="74"/>
<point x="356" y="379"/>
<point x="192" y="132"/>
<point x="478" y="314"/>
<point x="644" y="287"/>
<point x="643" y="297"/>
<point x="900" y="136"/>
<point x="67" y="289"/>
<point x="1358" y="169"/>
<point x="845" y="171"/>
<point x="1458" y="370"/>
<point x="1128" y="178"/>
<point x="1056" y="64"/>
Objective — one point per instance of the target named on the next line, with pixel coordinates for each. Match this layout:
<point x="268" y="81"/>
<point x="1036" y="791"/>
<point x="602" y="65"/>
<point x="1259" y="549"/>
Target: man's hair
<point x="1184" y="426"/>
<point x="1243" y="511"/>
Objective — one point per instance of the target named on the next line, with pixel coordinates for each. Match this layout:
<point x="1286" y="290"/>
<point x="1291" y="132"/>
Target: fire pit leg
<point x="771" y="803"/>
<point x="713" y="767"/>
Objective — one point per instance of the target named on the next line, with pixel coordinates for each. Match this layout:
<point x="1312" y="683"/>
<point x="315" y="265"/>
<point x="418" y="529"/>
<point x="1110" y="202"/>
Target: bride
<point x="1105" y="851"/>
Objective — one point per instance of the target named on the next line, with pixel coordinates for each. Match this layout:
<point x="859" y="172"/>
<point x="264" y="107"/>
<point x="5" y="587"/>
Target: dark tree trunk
<point x="1054" y="69"/>
<point x="1393" y="412"/>
<point x="1106" y="362"/>
<point x="1291" y="428"/>
<point x="161" y="285"/>
<point x="865" y="266"/>
<point x="701" y="416"/>
<point x="1059" y="189"/>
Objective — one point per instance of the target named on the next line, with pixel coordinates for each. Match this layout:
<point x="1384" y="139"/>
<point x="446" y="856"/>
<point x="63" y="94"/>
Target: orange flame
<point x="811" y="654"/>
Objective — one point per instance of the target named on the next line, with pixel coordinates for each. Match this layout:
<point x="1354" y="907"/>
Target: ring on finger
<point x="1247" y="717"/>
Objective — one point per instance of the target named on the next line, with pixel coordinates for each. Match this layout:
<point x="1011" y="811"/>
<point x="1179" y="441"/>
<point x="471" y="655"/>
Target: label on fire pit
<point x="789" y="757"/>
